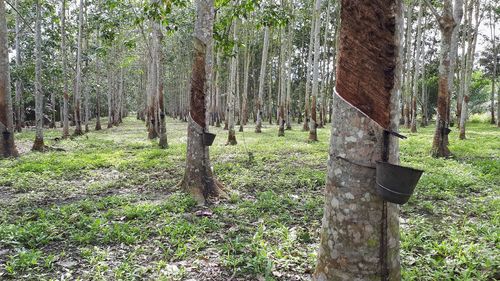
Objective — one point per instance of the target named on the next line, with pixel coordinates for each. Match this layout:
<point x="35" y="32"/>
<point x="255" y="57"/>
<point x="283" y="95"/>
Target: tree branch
<point x="433" y="10"/>
<point x="22" y="18"/>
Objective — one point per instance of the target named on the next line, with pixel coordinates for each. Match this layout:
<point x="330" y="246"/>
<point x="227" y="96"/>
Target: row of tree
<point x="272" y="61"/>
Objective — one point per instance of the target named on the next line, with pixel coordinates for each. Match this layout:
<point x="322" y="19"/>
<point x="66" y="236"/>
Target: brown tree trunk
<point x="198" y="178"/>
<point x="447" y="24"/>
<point x="355" y="216"/>
<point x="7" y="146"/>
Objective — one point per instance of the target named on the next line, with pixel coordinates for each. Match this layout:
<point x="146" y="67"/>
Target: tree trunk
<point x="7" y="146"/>
<point x="282" y="86"/>
<point x="38" y="145"/>
<point x="447" y="24"/>
<point x="356" y="219"/>
<point x="407" y="74"/>
<point x="78" y="117"/>
<point x="110" y="96"/>
<point x="198" y="178"/>
<point x="262" y="80"/>
<point x="471" y="47"/>
<point x="308" y="66"/>
<point x="231" y="139"/>
<point x="325" y="67"/>
<point x="244" y="99"/>
<point x="416" y="71"/>
<point x="19" y="86"/>
<point x="64" y="74"/>
<point x="313" y="135"/>
<point x="288" y="109"/>
<point x="494" y="74"/>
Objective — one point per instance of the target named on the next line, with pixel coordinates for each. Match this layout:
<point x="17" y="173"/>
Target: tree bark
<point x="78" y="116"/>
<point x="244" y="102"/>
<point x="198" y="178"/>
<point x="416" y="71"/>
<point x="282" y="86"/>
<point x="313" y="135"/>
<point x="351" y="247"/>
<point x="64" y="74"/>
<point x="38" y="145"/>
<point x="471" y="47"/>
<point x="19" y="86"/>
<point x="262" y="80"/>
<point x="407" y="74"/>
<point x="7" y="146"/>
<point x="447" y="24"/>
<point x="494" y="74"/>
<point x="231" y="139"/>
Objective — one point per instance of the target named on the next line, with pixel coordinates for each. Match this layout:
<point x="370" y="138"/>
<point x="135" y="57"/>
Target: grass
<point x="106" y="208"/>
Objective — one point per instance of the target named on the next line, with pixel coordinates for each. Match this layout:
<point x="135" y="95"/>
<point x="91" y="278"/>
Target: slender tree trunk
<point x="416" y="72"/>
<point x="110" y="96"/>
<point x="313" y="135"/>
<point x="408" y="61"/>
<point x="98" y="126"/>
<point x="262" y="80"/>
<point x="64" y="74"/>
<point x="19" y="86"/>
<point x="288" y="109"/>
<point x="282" y="86"/>
<point x="471" y="47"/>
<point x="7" y="146"/>
<point x="494" y="74"/>
<point x="198" y="178"/>
<point x="308" y="81"/>
<point x="163" y="143"/>
<point x="78" y="87"/>
<point x="244" y="102"/>
<point x="463" y="61"/>
<point x="231" y="139"/>
<point x="38" y="145"/>
<point x="356" y="218"/>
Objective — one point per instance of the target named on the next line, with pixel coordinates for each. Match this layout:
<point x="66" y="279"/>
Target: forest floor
<point x="107" y="208"/>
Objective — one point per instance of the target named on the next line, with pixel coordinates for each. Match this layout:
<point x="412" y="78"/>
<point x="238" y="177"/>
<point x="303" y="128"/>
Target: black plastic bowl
<point x="396" y="183"/>
<point x="208" y="139"/>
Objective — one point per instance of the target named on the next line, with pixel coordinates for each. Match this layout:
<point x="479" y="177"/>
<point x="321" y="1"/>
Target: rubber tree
<point x="7" y="146"/>
<point x="64" y="74"/>
<point x="262" y="80"/>
<point x="308" y="66"/>
<point x="472" y="33"/>
<point x="368" y="71"/>
<point x="416" y="71"/>
<point x="313" y="123"/>
<point x="18" y="84"/>
<point x="198" y="179"/>
<point x="493" y="75"/>
<point x="448" y="22"/>
<point x="78" y="84"/>
<point x="38" y="144"/>
<point x="231" y="138"/>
